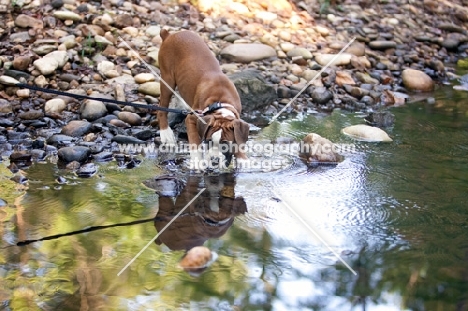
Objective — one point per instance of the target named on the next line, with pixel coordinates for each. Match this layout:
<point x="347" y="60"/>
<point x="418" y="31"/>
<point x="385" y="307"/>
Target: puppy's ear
<point x="203" y="127"/>
<point x="241" y="132"/>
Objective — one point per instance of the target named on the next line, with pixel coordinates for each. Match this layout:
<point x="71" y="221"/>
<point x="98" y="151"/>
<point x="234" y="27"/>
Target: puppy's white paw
<point x="167" y="136"/>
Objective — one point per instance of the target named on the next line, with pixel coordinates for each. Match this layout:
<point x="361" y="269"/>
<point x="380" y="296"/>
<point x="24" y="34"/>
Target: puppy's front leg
<point x="166" y="133"/>
<point x="196" y="155"/>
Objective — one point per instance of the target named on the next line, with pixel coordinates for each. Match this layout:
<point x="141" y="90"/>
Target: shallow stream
<point x="396" y="213"/>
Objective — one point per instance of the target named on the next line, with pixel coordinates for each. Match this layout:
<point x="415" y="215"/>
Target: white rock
<point x="46" y="65"/>
<point x="101" y="40"/>
<point x="322" y="30"/>
<point x="247" y="52"/>
<point x="112" y="74"/>
<point x="287" y="46"/>
<point x="67" y="15"/>
<point x="7" y="80"/>
<point x="40" y="81"/>
<point x="132" y="31"/>
<point x="150" y="88"/>
<point x="155" y="56"/>
<point x="153" y="31"/>
<point x="107" y="19"/>
<point x="324" y="59"/>
<point x="366" y="133"/>
<point x="105" y="66"/>
<point x="55" y="105"/>
<point x="60" y="56"/>
<point x="144" y="77"/>
<point x="22" y="93"/>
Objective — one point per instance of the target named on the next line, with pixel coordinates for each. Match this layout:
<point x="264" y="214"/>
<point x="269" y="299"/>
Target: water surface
<point x="395" y="212"/>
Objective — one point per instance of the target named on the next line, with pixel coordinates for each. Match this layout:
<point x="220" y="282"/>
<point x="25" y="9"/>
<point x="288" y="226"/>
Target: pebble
<point x="31" y="115"/>
<point x="382" y="45"/>
<point x="76" y="128"/>
<point x="144" y="77"/>
<point x="22" y="93"/>
<point x="153" y="31"/>
<point x="150" y="88"/>
<point x="21" y="62"/>
<point x="55" y="105"/>
<point x="287" y="46"/>
<point x="321" y="95"/>
<point x="20" y="37"/>
<point x="92" y="109"/>
<point x="7" y="80"/>
<point x="25" y="21"/>
<point x="129" y="117"/>
<point x="67" y="15"/>
<point x="297" y="51"/>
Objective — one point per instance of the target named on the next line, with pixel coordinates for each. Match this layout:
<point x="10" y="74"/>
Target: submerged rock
<point x="380" y="119"/>
<point x="197" y="259"/>
<point x="87" y="170"/>
<point x="315" y="150"/>
<point x="366" y="133"/>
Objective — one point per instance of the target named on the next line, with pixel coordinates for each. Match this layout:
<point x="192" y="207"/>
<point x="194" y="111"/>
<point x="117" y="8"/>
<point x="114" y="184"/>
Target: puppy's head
<point x="234" y="132"/>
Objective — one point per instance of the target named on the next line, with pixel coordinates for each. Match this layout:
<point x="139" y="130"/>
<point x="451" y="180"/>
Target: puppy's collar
<point x="218" y="105"/>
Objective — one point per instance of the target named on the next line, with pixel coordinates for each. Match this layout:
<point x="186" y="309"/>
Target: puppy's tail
<point x="164" y="34"/>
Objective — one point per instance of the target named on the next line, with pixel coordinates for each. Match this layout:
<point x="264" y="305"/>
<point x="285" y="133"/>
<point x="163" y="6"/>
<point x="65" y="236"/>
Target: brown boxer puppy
<point x="187" y="63"/>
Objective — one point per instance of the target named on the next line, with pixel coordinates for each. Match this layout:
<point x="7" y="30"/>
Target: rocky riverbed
<point x="271" y="49"/>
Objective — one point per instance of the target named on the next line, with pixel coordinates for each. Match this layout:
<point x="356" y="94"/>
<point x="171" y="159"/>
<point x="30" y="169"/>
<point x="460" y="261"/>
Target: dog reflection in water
<point x="209" y="216"/>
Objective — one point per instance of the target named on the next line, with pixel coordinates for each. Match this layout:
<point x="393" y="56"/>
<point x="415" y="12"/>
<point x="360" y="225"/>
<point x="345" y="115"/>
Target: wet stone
<point x="87" y="170"/>
<point x="59" y="139"/>
<point x="321" y="95"/>
<point x="76" y="128"/>
<point x="75" y="153"/>
<point x="31" y="115"/>
<point x="380" y="119"/>
<point x="123" y="139"/>
<point x="104" y="156"/>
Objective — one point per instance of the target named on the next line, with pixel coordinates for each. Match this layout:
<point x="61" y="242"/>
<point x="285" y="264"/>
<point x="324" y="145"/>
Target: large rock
<point x="416" y="80"/>
<point x="254" y="92"/>
<point x="75" y="153"/>
<point x="247" y="52"/>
